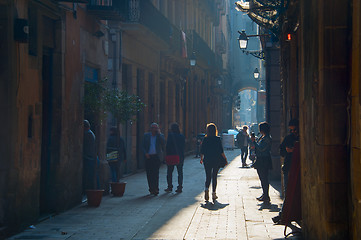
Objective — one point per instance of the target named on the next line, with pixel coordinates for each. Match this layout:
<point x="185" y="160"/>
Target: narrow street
<point x="137" y="215"/>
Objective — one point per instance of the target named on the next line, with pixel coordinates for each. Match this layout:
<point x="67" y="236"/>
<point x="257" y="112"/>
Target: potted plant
<point x="123" y="107"/>
<point x="118" y="188"/>
<point x="94" y="197"/>
<point x="93" y="107"/>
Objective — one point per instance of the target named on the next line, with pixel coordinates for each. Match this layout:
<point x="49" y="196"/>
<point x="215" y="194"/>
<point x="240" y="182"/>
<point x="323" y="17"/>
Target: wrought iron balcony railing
<point x="143" y="12"/>
<point x="73" y="1"/>
<point x="220" y="42"/>
<point x="202" y="50"/>
<point x="107" y="9"/>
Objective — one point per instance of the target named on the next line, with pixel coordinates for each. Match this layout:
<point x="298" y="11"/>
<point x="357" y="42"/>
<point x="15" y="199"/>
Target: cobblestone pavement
<point x="137" y="215"/>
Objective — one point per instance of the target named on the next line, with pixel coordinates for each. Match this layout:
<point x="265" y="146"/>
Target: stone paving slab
<point x="137" y="215"/>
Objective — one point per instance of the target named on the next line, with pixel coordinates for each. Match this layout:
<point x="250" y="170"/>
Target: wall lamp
<point x="243" y="42"/>
<point x="193" y="59"/>
<point x="256" y="74"/>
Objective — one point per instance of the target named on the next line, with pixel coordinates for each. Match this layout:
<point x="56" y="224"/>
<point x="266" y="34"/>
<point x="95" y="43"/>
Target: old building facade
<point x="143" y="47"/>
<point x="320" y="79"/>
<point x="319" y="64"/>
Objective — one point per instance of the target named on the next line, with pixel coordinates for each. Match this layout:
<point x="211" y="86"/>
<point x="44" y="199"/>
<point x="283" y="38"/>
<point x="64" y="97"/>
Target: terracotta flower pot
<point x="94" y="197"/>
<point x="117" y="188"/>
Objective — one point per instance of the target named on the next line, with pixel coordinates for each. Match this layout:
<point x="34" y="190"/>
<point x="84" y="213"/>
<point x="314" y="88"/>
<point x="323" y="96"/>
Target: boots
<point x="214" y="196"/>
<point x="206" y="195"/>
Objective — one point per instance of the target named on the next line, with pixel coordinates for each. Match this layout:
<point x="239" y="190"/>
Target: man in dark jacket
<point x="153" y="149"/>
<point x="286" y="148"/>
<point x="243" y="141"/>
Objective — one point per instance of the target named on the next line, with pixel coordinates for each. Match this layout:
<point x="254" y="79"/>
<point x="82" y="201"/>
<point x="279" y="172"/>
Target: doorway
<point x="47" y="122"/>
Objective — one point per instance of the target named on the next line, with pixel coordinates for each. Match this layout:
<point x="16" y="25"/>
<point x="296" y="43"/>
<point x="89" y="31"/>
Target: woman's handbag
<point x="222" y="162"/>
<point x="112" y="156"/>
<point x="172" y="159"/>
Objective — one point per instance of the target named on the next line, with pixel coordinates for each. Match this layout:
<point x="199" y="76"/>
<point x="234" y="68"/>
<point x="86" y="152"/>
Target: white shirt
<point x="152" y="148"/>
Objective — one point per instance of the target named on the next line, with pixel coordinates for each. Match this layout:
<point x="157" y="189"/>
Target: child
<point x="252" y="148"/>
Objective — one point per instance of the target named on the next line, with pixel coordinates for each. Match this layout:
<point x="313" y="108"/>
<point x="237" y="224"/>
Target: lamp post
<point x="256" y="74"/>
<point x="243" y="42"/>
<point x="193" y="59"/>
<point x="261" y="96"/>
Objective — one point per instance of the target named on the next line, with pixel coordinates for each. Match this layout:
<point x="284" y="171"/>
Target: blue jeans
<point x="115" y="171"/>
<point x="244" y="154"/>
<point x="88" y="175"/>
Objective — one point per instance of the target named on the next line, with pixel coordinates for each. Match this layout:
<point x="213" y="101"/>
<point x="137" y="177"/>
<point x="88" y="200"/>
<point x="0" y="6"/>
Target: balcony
<point x="73" y="1"/>
<point x="107" y="9"/>
<point x="210" y="6"/>
<point x="149" y="24"/>
<point x="220" y="42"/>
<point x="202" y="50"/>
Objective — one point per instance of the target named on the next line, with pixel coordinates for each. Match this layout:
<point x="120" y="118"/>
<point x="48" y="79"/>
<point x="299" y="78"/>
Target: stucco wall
<point x="58" y="35"/>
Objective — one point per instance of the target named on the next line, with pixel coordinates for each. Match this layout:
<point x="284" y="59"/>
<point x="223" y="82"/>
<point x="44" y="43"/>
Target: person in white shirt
<point x="153" y="148"/>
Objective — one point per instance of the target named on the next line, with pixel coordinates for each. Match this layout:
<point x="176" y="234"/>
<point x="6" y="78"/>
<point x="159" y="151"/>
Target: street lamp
<point x="256" y="74"/>
<point x="193" y="59"/>
<point x="242" y="39"/>
<point x="261" y="89"/>
<point x="243" y="42"/>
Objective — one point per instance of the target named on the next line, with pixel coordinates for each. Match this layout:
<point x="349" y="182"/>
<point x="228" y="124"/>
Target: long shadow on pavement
<point x="214" y="206"/>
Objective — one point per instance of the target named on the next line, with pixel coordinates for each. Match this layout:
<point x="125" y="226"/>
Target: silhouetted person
<point x="211" y="154"/>
<point x="286" y="151"/>
<point x="263" y="159"/>
<point x="242" y="142"/>
<point x="286" y="148"/>
<point x="89" y="157"/>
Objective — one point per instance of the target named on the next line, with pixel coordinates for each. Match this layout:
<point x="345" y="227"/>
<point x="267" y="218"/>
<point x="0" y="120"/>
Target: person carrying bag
<point x="213" y="157"/>
<point x="116" y="153"/>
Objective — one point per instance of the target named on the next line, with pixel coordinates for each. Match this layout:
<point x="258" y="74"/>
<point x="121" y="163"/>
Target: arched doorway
<point x="246" y="108"/>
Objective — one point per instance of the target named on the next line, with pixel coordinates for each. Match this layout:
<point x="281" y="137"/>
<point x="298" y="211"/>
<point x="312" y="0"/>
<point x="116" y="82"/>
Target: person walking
<point x="89" y="157"/>
<point x="211" y="155"/>
<point x="153" y="148"/>
<point x="116" y="147"/>
<point x="175" y="146"/>
<point x="242" y="141"/>
<point x="263" y="161"/>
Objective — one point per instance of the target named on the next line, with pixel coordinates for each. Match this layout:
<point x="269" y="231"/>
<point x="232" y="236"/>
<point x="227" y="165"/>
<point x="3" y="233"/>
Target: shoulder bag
<point x="112" y="156"/>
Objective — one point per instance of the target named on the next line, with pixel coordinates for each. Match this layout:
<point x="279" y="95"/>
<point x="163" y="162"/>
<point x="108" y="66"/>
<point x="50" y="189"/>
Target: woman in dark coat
<point x="116" y="143"/>
<point x="175" y="146"/>
<point x="263" y="159"/>
<point x="211" y="155"/>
